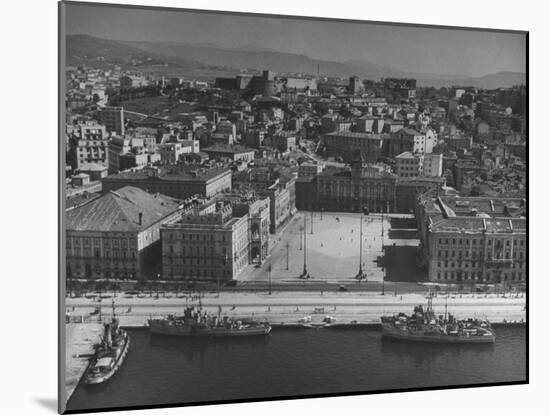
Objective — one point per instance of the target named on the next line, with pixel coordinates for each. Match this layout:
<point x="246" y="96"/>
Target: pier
<point x="81" y="336"/>
<point x="287" y="308"/>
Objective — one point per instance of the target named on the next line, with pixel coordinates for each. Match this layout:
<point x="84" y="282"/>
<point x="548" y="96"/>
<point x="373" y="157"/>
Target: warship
<point x="424" y="326"/>
<point x="196" y="322"/>
<point x="109" y="353"/>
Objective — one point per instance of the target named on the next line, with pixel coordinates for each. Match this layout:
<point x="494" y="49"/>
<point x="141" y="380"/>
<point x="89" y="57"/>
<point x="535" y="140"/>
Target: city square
<point x="332" y="249"/>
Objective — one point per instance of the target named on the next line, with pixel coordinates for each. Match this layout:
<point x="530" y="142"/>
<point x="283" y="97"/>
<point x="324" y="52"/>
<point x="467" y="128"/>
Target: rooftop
<point x="219" y="148"/>
<point x="350" y="134"/>
<point x="174" y="173"/>
<point x="119" y="211"/>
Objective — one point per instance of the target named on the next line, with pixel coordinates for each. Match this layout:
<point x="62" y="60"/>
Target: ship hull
<point x="183" y="331"/>
<point x="96" y="380"/>
<point x="423" y="337"/>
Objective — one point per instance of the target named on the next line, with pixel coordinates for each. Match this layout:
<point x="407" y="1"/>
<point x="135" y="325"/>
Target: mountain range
<point x="250" y="57"/>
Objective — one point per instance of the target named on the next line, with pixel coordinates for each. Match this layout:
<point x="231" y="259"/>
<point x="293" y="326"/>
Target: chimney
<point x="140" y="220"/>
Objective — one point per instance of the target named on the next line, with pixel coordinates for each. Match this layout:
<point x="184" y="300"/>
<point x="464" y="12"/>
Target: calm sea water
<point x="160" y="370"/>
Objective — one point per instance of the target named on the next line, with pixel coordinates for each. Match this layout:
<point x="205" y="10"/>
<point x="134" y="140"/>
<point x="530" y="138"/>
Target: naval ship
<point x="424" y="326"/>
<point x="109" y="354"/>
<point x="196" y="322"/>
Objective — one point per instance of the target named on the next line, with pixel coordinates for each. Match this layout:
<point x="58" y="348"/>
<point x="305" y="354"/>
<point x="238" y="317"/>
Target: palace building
<point x="473" y="239"/>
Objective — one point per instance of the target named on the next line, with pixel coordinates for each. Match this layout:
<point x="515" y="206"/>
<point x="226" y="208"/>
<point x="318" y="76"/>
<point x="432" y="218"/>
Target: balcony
<point x="499" y="261"/>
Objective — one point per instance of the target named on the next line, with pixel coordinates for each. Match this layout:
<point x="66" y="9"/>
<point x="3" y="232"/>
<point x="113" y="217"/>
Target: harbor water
<point x="161" y="370"/>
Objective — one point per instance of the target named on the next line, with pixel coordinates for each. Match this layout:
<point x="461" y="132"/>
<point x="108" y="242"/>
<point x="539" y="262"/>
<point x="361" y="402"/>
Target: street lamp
<point x="287" y="256"/>
<point x="304" y="275"/>
<point x="360" y="274"/>
<point x="383" y="280"/>
<point x="157" y="285"/>
<point x="269" y="273"/>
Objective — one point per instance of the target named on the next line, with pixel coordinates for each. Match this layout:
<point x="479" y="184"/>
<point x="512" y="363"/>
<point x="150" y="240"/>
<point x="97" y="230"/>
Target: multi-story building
<point x="171" y="153"/>
<point x="408" y="165"/>
<point x="285" y="141"/>
<point x="233" y="153"/>
<point x="179" y="181"/>
<point x="407" y="190"/>
<point x="409" y="139"/>
<point x="125" y="153"/>
<point x="473" y="240"/>
<point x="216" y="241"/>
<point x="118" y="234"/>
<point x="432" y="165"/>
<point x="113" y="119"/>
<point x="348" y="143"/>
<point x="278" y="186"/>
<point x="414" y="165"/>
<point x="308" y="169"/>
<point x="88" y="145"/>
<point x="370" y="124"/>
<point x="353" y="189"/>
<point x="355" y="85"/>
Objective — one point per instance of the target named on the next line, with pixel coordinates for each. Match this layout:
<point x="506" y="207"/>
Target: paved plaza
<point x="332" y="250"/>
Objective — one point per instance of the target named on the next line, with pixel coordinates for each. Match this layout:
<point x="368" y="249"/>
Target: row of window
<point x="497" y="255"/>
<point x="87" y="253"/>
<point x="193" y="237"/>
<point x="107" y="242"/>
<point x="498" y="242"/>
<point x="478" y="276"/>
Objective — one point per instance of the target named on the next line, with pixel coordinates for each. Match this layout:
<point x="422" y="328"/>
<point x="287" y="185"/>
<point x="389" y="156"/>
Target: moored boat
<point x="109" y="354"/>
<point x="197" y="323"/>
<point x="424" y="326"/>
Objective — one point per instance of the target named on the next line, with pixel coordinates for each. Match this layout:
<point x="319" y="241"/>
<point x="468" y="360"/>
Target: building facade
<point x="88" y="145"/>
<point x="474" y="240"/>
<point x="353" y="189"/>
<point x="113" y="119"/>
<point x="216" y="241"/>
<point x="117" y="235"/>
<point x="177" y="181"/>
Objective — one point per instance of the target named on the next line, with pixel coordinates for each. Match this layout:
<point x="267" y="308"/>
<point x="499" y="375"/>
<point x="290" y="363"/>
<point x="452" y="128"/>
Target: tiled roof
<point x="172" y="173"/>
<point x="119" y="211"/>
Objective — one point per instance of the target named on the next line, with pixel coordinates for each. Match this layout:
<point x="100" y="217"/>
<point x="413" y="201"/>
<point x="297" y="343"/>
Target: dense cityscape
<point x="198" y="190"/>
<point x="207" y="201"/>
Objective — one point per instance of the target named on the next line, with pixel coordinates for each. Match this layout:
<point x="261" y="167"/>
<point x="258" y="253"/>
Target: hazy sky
<point x="411" y="49"/>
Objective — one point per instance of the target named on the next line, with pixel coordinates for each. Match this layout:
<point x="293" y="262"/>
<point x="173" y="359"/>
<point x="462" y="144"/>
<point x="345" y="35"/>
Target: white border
<point x="29" y="68"/>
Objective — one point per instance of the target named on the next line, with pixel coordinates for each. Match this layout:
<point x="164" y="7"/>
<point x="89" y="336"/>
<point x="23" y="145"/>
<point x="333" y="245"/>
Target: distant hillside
<point x="250" y="57"/>
<point x="88" y="48"/>
<point x="225" y="60"/>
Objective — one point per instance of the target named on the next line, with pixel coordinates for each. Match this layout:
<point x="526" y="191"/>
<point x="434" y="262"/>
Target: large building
<point x="125" y="153"/>
<point x="88" y="145"/>
<point x="118" y="234"/>
<point x="414" y="165"/>
<point x="414" y="141"/>
<point x="216" y="241"/>
<point x="408" y="165"/>
<point x="347" y="143"/>
<point x="228" y="152"/>
<point x="113" y="119"/>
<point x="178" y="181"/>
<point x="353" y="189"/>
<point x="474" y="240"/>
<point x="407" y="190"/>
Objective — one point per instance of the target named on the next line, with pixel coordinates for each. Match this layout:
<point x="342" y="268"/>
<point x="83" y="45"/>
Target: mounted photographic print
<point x="258" y="207"/>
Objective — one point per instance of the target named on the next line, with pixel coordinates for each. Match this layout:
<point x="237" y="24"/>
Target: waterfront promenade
<point x="289" y="307"/>
<point x="80" y="338"/>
